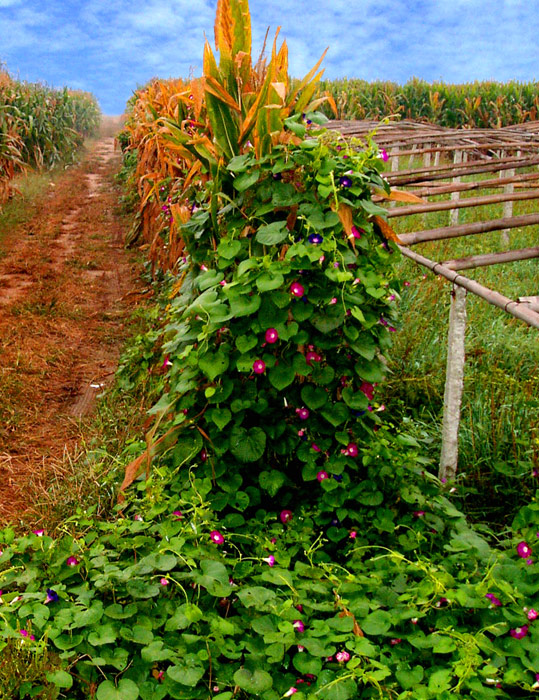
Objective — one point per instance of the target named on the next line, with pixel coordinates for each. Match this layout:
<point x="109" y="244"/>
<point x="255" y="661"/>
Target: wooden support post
<point x="509" y="188"/>
<point x="455" y="196"/>
<point x="454" y="381"/>
<point x="437" y="158"/>
<point x="427" y="156"/>
<point x="413" y="155"/>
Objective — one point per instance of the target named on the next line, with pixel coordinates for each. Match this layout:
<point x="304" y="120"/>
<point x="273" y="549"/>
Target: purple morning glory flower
<point x="519" y="632"/>
<point x="495" y="601"/>
<point x="52" y="596"/>
<point x="285" y="516"/>
<point x="297" y="289"/>
<point x="315" y="238"/>
<point x="259" y="366"/>
<point x="345" y="181"/>
<point x="303" y="413"/>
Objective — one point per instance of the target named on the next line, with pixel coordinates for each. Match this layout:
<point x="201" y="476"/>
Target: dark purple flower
<point x="52" y="596"/>
<point x="303" y="413"/>
<point x="316" y="238"/>
<point x="495" y="601"/>
<point x="345" y="181"/>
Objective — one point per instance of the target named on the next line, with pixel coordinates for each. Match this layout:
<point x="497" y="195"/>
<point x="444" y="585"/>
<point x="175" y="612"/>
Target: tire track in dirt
<point x="65" y="279"/>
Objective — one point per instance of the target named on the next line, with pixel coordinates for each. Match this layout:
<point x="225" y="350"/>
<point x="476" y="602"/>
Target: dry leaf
<point x="386" y="230"/>
<point x="400" y="196"/>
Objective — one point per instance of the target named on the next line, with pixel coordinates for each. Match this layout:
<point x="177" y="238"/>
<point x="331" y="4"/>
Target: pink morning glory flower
<point x="290" y="692"/>
<point x="321" y="476"/>
<point x="382" y="153"/>
<point x="495" y="601"/>
<point x="297" y="289"/>
<point x="23" y="633"/>
<point x="138" y="518"/>
<point x="216" y="537"/>
<point x="285" y="516"/>
<point x="315" y="447"/>
<point x="352" y="449"/>
<point x="418" y="513"/>
<point x="519" y="632"/>
<point x="353" y="535"/>
<point x="395" y="641"/>
<point x="270" y="560"/>
<point x="164" y="581"/>
<point x="259" y="366"/>
<point x="298" y="626"/>
<point x="342" y="656"/>
<point x="367" y="389"/>
<point x="532" y="614"/>
<point x="39" y="533"/>
<point x="178" y="515"/>
<point x="303" y="413"/>
<point x="523" y="550"/>
<point x="272" y="336"/>
<point x="72" y="561"/>
<point x="301" y="648"/>
<point x="312" y="356"/>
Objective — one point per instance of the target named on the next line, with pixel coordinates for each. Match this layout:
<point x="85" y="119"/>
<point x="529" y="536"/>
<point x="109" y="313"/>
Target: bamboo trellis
<point x="475" y="152"/>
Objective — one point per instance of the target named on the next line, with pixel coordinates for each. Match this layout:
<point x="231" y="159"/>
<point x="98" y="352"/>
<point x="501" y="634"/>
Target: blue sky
<point x="108" y="47"/>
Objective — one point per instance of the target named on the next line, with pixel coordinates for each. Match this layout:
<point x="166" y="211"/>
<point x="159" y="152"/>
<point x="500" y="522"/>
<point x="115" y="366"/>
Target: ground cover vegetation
<point x="40" y="127"/>
<point x="276" y="535"/>
<point x="478" y="104"/>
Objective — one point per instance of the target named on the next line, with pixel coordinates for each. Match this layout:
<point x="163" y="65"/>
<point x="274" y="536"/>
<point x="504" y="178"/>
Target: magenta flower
<point x="23" y="633"/>
<point x="39" y="533"/>
<point x="303" y="413"/>
<point x="395" y="641"/>
<point x="298" y="626"/>
<point x="72" y="561"/>
<point x="166" y="362"/>
<point x="138" y="517"/>
<point x="312" y="356"/>
<point x="523" y="550"/>
<point x="495" y="601"/>
<point x="356" y="232"/>
<point x="290" y="692"/>
<point x="367" y="389"/>
<point x="315" y="447"/>
<point x="529" y="562"/>
<point x="216" y="537"/>
<point x="297" y="289"/>
<point x="299" y="607"/>
<point x="382" y="153"/>
<point x="270" y="560"/>
<point x="259" y="366"/>
<point x="301" y="647"/>
<point x="178" y="515"/>
<point x="532" y="614"/>
<point x="285" y="516"/>
<point x="519" y="632"/>
<point x="272" y="336"/>
<point x="352" y="535"/>
<point x="342" y="656"/>
<point x="352" y="449"/>
<point x="418" y="513"/>
<point x="164" y="581"/>
<point x="321" y="476"/>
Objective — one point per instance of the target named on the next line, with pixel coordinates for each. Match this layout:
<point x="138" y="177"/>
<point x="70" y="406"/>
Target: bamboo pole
<point x="515" y="308"/>
<point x="468" y="202"/>
<point x="436" y="234"/>
<point x="473" y="261"/>
<point x="424" y="188"/>
<point x="454" y="381"/>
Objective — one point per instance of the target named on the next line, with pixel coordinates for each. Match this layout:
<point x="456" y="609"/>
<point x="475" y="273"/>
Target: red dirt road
<point x="65" y="283"/>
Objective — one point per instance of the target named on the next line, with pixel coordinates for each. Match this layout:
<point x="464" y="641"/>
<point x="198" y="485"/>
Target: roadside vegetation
<point x="279" y="531"/>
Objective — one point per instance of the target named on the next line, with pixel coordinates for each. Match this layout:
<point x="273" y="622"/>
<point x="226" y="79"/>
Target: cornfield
<point x="477" y="104"/>
<point x="40" y="127"/>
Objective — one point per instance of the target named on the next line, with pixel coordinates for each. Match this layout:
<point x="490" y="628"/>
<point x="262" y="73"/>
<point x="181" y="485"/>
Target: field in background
<point x="478" y="104"/>
<point x="40" y="127"/>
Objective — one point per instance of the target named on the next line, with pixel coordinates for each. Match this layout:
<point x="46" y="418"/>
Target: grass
<point x="499" y="436"/>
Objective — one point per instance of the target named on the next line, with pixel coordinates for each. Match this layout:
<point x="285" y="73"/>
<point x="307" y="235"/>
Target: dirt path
<point x="64" y="277"/>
